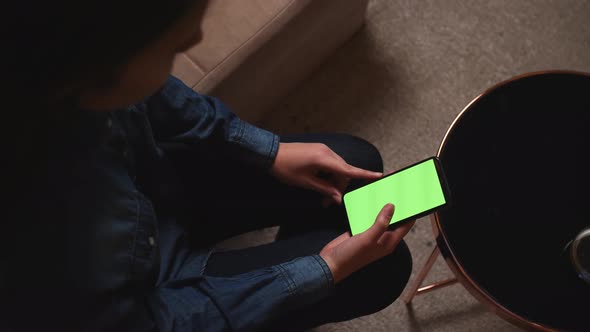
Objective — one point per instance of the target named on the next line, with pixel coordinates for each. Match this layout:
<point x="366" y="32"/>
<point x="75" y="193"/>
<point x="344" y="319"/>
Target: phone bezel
<point x="443" y="182"/>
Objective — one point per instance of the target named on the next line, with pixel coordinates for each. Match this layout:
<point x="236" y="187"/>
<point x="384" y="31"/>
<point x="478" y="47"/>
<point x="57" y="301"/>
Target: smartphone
<point x="416" y="191"/>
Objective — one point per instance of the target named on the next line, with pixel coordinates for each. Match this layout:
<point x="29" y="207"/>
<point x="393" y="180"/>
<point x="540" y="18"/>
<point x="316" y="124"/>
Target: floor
<point x="400" y="82"/>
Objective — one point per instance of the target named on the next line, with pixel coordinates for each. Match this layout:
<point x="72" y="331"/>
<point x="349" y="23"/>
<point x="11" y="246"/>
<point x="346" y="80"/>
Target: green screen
<point x="412" y="191"/>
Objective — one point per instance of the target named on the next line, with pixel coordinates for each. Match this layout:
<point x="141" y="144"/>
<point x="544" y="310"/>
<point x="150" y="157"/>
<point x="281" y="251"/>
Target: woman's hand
<point x="345" y="254"/>
<point x="315" y="166"/>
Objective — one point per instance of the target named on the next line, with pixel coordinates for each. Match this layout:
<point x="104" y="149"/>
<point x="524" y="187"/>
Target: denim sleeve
<point x="180" y="115"/>
<point x="245" y="302"/>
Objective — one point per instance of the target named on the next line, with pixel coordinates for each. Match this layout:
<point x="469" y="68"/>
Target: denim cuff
<point x="308" y="279"/>
<point x="262" y="144"/>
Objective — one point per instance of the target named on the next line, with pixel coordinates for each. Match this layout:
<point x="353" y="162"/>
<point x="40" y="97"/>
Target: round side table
<point x="517" y="160"/>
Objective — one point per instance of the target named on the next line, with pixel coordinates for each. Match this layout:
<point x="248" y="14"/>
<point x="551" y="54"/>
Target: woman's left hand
<point x="315" y="166"/>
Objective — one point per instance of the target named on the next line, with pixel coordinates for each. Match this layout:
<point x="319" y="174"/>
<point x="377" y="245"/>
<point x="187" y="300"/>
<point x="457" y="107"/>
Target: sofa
<point x="254" y="52"/>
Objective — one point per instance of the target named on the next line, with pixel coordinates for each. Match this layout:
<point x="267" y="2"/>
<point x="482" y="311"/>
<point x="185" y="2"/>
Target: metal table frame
<point x="443" y="247"/>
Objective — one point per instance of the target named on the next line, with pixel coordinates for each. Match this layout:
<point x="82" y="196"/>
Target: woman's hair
<point x="50" y="47"/>
<point x="57" y="43"/>
<point x="58" y="46"/>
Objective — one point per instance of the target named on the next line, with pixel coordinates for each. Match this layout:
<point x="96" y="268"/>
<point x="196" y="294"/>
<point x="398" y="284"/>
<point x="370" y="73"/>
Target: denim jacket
<point x="132" y="270"/>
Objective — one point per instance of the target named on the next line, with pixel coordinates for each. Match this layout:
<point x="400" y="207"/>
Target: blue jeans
<point x="239" y="201"/>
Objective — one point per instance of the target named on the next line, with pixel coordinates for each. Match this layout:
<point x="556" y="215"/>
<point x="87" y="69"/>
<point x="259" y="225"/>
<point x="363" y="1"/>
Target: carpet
<point x="400" y="82"/>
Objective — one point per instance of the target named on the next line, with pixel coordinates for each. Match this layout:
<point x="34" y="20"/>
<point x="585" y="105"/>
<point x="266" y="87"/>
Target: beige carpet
<point x="401" y="81"/>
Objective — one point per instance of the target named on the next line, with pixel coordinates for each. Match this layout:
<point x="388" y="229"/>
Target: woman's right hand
<point x="345" y="254"/>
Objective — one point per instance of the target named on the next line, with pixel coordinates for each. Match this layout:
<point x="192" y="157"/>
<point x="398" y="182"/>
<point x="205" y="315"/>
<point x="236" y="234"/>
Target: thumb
<point x="381" y="223"/>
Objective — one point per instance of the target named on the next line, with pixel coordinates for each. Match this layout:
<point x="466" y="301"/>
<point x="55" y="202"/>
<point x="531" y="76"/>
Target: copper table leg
<point x="415" y="288"/>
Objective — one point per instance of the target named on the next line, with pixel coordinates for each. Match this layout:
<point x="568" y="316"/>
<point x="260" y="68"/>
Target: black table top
<point x="517" y="161"/>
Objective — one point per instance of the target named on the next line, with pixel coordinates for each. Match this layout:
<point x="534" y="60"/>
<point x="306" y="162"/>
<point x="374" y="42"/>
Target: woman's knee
<point x="401" y="258"/>
<point x="360" y="153"/>
<point x="377" y="285"/>
<point x="390" y="277"/>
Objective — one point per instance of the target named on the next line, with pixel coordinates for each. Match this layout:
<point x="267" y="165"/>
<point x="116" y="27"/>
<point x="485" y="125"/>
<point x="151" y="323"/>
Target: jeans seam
<point x="291" y="286"/>
<point x="323" y="265"/>
<point x="207" y="255"/>
<point x="273" y="147"/>
<point x="135" y="235"/>
<point x="238" y="138"/>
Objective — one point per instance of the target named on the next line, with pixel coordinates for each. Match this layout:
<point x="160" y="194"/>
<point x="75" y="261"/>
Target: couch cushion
<point x="227" y="26"/>
<point x="255" y="52"/>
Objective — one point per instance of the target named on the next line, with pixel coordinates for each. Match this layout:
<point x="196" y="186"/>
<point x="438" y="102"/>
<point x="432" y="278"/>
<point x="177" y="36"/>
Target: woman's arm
<point x="244" y="302"/>
<point x="179" y="115"/>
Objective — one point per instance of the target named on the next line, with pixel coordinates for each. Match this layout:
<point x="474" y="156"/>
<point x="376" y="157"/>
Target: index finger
<point x="405" y="228"/>
<point x="335" y="163"/>
<point x="391" y="238"/>
<point x="359" y="173"/>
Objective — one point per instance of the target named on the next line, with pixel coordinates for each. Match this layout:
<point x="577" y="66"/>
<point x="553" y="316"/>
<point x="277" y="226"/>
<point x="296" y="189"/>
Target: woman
<point x="125" y="178"/>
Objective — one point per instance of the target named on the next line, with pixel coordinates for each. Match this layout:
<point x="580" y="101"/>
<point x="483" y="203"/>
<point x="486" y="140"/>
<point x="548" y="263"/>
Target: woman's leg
<point x="364" y="292"/>
<point x="353" y="150"/>
<point x="221" y="199"/>
<point x="304" y="221"/>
